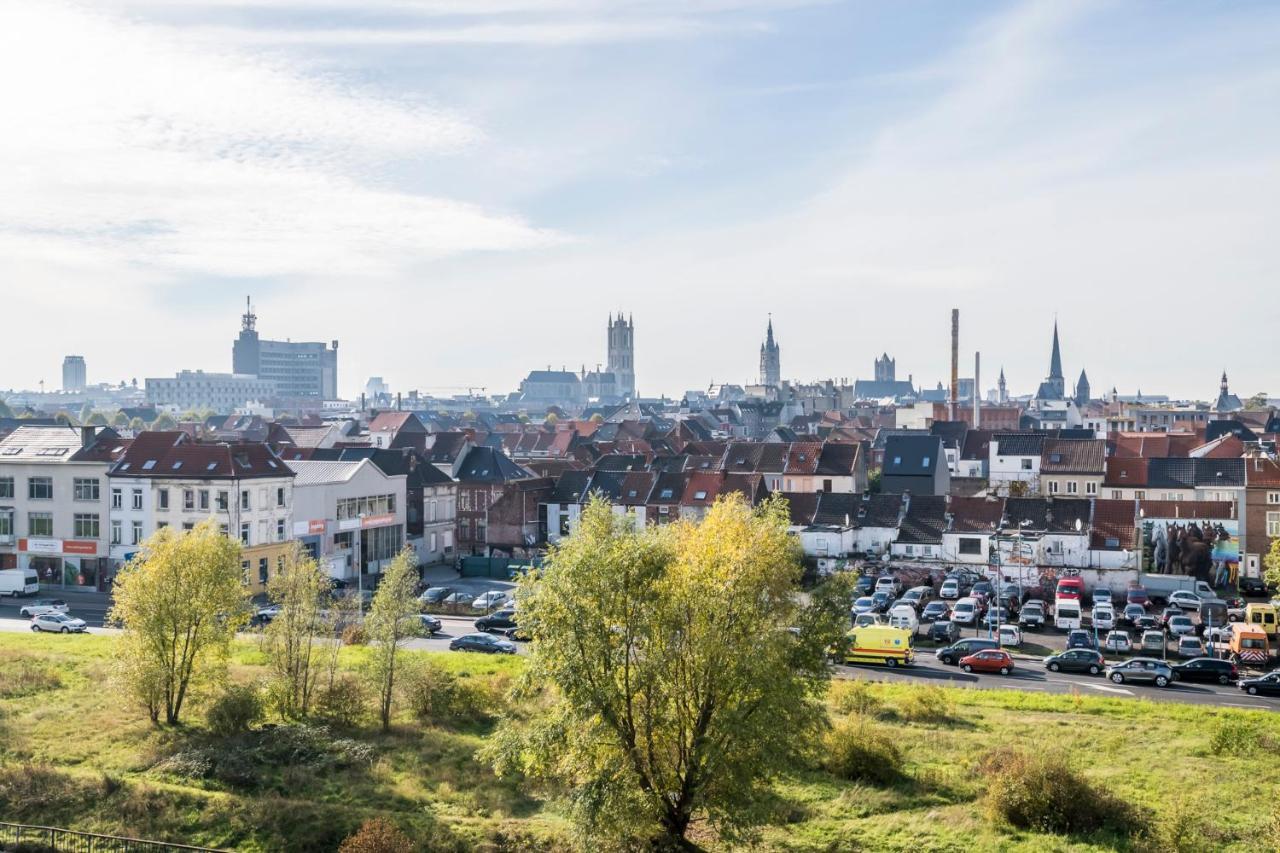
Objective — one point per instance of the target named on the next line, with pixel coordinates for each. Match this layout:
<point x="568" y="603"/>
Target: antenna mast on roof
<point x="250" y="319"/>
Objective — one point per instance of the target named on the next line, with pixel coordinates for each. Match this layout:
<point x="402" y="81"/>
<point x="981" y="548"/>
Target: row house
<point x="972" y="525"/>
<point x="1072" y="467"/>
<point x="920" y="531"/>
<point x="349" y="515"/>
<point x="1015" y="459"/>
<point x="1196" y="479"/>
<point x="54" y="503"/>
<point x="1261" y="509"/>
<point x="483" y="475"/>
<point x="915" y="464"/>
<point x="166" y="479"/>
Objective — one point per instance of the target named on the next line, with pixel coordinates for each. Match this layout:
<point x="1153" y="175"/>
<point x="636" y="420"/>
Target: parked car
<point x="1219" y="635"/>
<point x="981" y="590"/>
<point x="889" y="585"/>
<point x="486" y="643"/>
<point x="1141" y="671"/>
<point x="1267" y="685"/>
<point x="1032" y="614"/>
<point x="435" y="594"/>
<point x="457" y="599"/>
<point x="950" y="589"/>
<point x="988" y="660"/>
<point x="903" y="602"/>
<point x="865" y="604"/>
<point x="44" y="605"/>
<point x="492" y="598"/>
<point x="498" y="620"/>
<point x="945" y="632"/>
<point x="1011" y="592"/>
<point x="1189" y="646"/>
<point x="59" y="623"/>
<point x="1137" y="595"/>
<point x="1147" y="622"/>
<point x="1076" y="660"/>
<point x="880" y="601"/>
<point x="862" y="620"/>
<point x="1134" y="612"/>
<point x="1103" y="617"/>
<point x="1117" y="641"/>
<point x="1010" y="635"/>
<point x="995" y="616"/>
<point x="1254" y="587"/>
<point x="963" y="648"/>
<point x="1080" y="639"/>
<point x="965" y="612"/>
<point x="1102" y="595"/>
<point x="864" y="585"/>
<point x="919" y="595"/>
<point x="904" y="616"/>
<point x="1181" y="626"/>
<point x="1185" y="599"/>
<point x="1168" y="613"/>
<point x="1152" y="641"/>
<point x="430" y="624"/>
<point x="1207" y="669"/>
<point x="935" y="610"/>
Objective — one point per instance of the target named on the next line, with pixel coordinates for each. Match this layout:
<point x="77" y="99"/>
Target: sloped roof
<point x="180" y="458"/>
<point x="1072" y="456"/>
<point x="1262" y="471"/>
<point x="837" y="508"/>
<point x="975" y="515"/>
<point x="1019" y="443"/>
<point x="486" y="465"/>
<point x="1195" y="473"/>
<point x="1046" y="515"/>
<point x="912" y="455"/>
<point x="323" y="473"/>
<point x="925" y="520"/>
<point x="1187" y="509"/>
<point x="570" y="487"/>
<point x="803" y="507"/>
<point x="838" y="459"/>
<point x="880" y="510"/>
<point x="977" y="444"/>
<point x="1123" y="472"/>
<point x="1113" y="525"/>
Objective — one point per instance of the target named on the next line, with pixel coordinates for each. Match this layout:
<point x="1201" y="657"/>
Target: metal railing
<point x="52" y="838"/>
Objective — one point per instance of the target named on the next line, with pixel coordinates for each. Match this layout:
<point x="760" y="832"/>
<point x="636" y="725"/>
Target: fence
<point x="17" y="836"/>
<point x="502" y="568"/>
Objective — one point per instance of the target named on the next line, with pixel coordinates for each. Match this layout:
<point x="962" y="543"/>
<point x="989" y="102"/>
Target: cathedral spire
<point x="1055" y="360"/>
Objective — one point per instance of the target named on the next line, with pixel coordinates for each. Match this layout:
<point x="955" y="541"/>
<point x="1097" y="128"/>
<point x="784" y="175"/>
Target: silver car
<point x="43" y="605"/>
<point x="1141" y="671"/>
<point x="58" y="623"/>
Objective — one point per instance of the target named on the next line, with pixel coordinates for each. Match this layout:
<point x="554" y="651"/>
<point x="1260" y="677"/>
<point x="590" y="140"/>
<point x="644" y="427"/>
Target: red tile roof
<point x="1262" y="471"/>
<point x="1113" y="524"/>
<point x="1126" y="472"/>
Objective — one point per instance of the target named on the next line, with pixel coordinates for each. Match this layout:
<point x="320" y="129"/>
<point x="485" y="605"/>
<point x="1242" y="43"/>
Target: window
<point x="280" y="530"/>
<point x="263" y="527"/>
<point x="1272" y="497"/>
<point x="263" y="570"/>
<point x="1072" y="487"/>
<point x="40" y="488"/>
<point x="244" y="499"/>
<point x="924" y="463"/>
<point x="86" y="525"/>
<point x="117" y="499"/>
<point x="280" y="496"/>
<point x="1090" y="488"/>
<point x="6" y="487"/>
<point x="1273" y="524"/>
<point x="433" y="542"/>
<point x="970" y="545"/>
<point x="826" y="485"/>
<point x="162" y="499"/>
<point x="699" y="495"/>
<point x="6" y="522"/>
<point x="224" y="530"/>
<point x="431" y="515"/>
<point x="1140" y="495"/>
<point x="1053" y="487"/>
<point x="244" y="532"/>
<point x="160" y="525"/>
<point x="86" y="489"/>
<point x="115" y="532"/>
<point x="137" y="498"/>
<point x="222" y="501"/>
<point x="204" y="500"/>
<point x="897" y="460"/>
<point x="1026" y="464"/>
<point x="39" y="524"/>
<point x="188" y="525"/>
<point x="1116" y="494"/>
<point x="189" y="499"/>
<point x="137" y="532"/>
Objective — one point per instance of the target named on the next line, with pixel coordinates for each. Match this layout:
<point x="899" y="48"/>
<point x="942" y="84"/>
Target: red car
<point x="988" y="660"/>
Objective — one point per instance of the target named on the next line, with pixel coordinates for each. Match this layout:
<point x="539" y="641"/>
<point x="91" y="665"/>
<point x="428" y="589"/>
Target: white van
<point x="1066" y="614"/>
<point x="15" y="582"/>
<point x="965" y="612"/>
<point x="904" y="616"/>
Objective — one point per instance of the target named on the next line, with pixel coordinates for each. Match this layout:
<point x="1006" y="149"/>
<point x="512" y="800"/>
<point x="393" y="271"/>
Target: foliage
<point x="680" y="687"/>
<point x="929" y="704"/>
<point x="875" y="481"/>
<point x="377" y="835"/>
<point x="5" y="411"/>
<point x="164" y="421"/>
<point x="1040" y="791"/>
<point x="236" y="710"/>
<point x="180" y="603"/>
<point x="119" y="419"/>
<point x="342" y="701"/>
<point x="137" y="424"/>
<point x="392" y="620"/>
<point x="435" y="695"/>
<point x="86" y="411"/>
<point x="248" y="759"/>
<point x="859" y="750"/>
<point x="1018" y="489"/>
<point x="97" y="419"/>
<point x="26" y="677"/>
<point x="1272" y="563"/>
<point x="297" y="639"/>
<point x="854" y="696"/>
<point x="1239" y="734"/>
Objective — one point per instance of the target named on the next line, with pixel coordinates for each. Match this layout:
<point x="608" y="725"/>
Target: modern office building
<point x="221" y="392"/>
<point x="73" y="374"/>
<point x="300" y="370"/>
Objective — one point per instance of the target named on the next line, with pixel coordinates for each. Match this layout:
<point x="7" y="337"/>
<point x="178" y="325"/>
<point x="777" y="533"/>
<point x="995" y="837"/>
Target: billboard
<point x="1171" y="545"/>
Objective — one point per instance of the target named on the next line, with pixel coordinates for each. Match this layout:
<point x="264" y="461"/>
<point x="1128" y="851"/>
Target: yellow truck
<point x="1248" y="644"/>
<point x="1264" y="616"/>
<point x="880" y="644"/>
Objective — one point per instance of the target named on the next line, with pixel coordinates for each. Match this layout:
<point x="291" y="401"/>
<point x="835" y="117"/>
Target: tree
<point x="551" y="419"/>
<point x="97" y="419"/>
<point x="137" y="425"/>
<point x="1271" y="562"/>
<point x="5" y="411"/>
<point x="391" y="621"/>
<point x="119" y="419"/>
<point x="295" y="652"/>
<point x="875" y="481"/>
<point x="63" y="418"/>
<point x="180" y="603"/>
<point x="684" y="672"/>
<point x="86" y="411"/>
<point x="164" y="421"/>
<point x="1257" y="402"/>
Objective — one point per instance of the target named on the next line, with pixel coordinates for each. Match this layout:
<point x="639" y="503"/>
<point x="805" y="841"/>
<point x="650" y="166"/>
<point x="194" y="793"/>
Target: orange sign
<point x="315" y="526"/>
<point x="71" y="546"/>
<point x="377" y="520"/>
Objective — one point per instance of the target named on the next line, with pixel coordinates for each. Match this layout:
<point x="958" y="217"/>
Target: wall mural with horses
<point x="1208" y="549"/>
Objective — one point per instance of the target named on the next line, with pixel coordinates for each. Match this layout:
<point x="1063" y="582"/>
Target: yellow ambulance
<point x="880" y="644"/>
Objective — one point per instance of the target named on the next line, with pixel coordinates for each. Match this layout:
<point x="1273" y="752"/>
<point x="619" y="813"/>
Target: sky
<point x="460" y="191"/>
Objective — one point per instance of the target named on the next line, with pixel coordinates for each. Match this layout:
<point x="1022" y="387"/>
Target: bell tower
<point x="621" y="354"/>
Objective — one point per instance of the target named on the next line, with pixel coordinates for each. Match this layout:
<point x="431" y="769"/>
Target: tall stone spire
<point x="1003" y="389"/>
<point x="1055" y="360"/>
<point x="770" y="359"/>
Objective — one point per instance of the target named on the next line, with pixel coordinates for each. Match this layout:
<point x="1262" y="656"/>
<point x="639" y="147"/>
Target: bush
<point x="1238" y="735"/>
<point x="25" y="677"/>
<point x="353" y="635"/>
<point x="246" y="760"/>
<point x="437" y="696"/>
<point x="1043" y="793"/>
<point x="862" y="751"/>
<point x="927" y="704"/>
<point x="854" y="697"/>
<point x="344" y="703"/>
<point x="376" y="835"/>
<point x="235" y="711"/>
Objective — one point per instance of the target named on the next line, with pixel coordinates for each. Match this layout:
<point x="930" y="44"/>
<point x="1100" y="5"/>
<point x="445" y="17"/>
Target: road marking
<point x="1241" y="705"/>
<point x="1107" y="688"/>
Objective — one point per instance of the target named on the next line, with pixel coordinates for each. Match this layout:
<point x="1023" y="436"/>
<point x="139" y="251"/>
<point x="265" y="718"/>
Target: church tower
<point x="1003" y="393"/>
<point x="1083" y="391"/>
<point x="770" y="359"/>
<point x="1054" y="387"/>
<point x="622" y="354"/>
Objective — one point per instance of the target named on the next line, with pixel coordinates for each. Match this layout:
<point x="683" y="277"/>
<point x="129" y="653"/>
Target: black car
<point x="1032" y="615"/>
<point x="1080" y="639"/>
<point x="1267" y="685"/>
<point x="1254" y="587"/>
<point x="436" y="594"/>
<point x="1076" y="660"/>
<point x="951" y="654"/>
<point x="880" y="602"/>
<point x="486" y="643"/>
<point x="864" y="585"/>
<point x="981" y="589"/>
<point x="430" y="624"/>
<point x="1146" y="623"/>
<point x="934" y="611"/>
<point x="498" y="620"/>
<point x="944" y="632"/>
<point x="1211" y="670"/>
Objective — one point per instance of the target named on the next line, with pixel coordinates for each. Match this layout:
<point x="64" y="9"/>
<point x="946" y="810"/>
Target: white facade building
<point x="349" y="515"/>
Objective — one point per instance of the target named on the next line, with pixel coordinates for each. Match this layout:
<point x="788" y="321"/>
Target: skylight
<point x="699" y="496"/>
<point x="177" y="465"/>
<point x="148" y="465"/>
<point x="666" y="493"/>
<point x="211" y="466"/>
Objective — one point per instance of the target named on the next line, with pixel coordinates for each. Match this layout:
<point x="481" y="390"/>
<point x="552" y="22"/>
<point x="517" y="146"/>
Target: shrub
<point x="1239" y="735"/>
<point x="926" y="704"/>
<point x="353" y="635"/>
<point x="25" y="677"/>
<point x="235" y="711"/>
<point x="862" y="751"/>
<point x="376" y="835"/>
<point x="854" y="697"/>
<point x="436" y="695"/>
<point x="344" y="703"/>
<point x="1042" y="792"/>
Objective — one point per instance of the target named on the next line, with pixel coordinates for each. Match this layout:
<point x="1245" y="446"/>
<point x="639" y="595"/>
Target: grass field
<point x="71" y="754"/>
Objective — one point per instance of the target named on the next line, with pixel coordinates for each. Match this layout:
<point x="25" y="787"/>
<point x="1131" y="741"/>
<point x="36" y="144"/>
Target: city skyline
<point x="839" y="166"/>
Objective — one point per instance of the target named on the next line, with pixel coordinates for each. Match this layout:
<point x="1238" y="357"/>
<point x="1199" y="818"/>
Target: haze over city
<point x="461" y="192"/>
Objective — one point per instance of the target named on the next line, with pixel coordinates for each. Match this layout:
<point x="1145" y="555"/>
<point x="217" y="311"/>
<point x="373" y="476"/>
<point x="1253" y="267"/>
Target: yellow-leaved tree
<point x="682" y="672"/>
<point x="299" y="640"/>
<point x="179" y="602"/>
<point x="392" y="621"/>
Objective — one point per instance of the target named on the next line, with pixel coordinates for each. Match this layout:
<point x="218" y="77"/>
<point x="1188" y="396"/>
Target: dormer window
<point x="699" y="496"/>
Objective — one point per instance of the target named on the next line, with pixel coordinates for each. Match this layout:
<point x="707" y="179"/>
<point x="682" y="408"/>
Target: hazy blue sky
<point x="462" y="190"/>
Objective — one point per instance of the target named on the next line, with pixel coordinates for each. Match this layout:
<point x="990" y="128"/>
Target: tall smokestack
<point x="955" y="360"/>
<point x="977" y="385"/>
